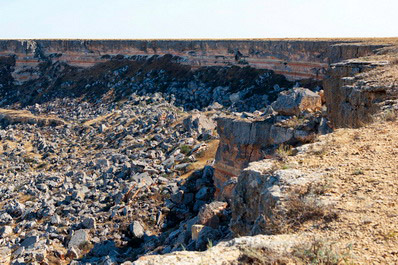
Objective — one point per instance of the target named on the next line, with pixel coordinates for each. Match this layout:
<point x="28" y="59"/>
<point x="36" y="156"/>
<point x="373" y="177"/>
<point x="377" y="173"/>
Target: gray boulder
<point x="79" y="238"/>
<point x="296" y="100"/>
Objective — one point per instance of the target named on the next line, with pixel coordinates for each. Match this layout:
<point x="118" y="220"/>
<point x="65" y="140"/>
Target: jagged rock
<point x="5" y="231"/>
<point x="55" y="219"/>
<point x="73" y="253"/>
<point x="89" y="223"/>
<point x="195" y="229"/>
<point x="199" y="123"/>
<point x="210" y="213"/>
<point x="259" y="189"/>
<point x="206" y="237"/>
<point x="79" y="238"/>
<point x="136" y="230"/>
<point x="30" y="242"/>
<point x="296" y="100"/>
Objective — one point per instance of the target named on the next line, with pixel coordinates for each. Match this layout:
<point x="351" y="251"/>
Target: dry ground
<point x="362" y="181"/>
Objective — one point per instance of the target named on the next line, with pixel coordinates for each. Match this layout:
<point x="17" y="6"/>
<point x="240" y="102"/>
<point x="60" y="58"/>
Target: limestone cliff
<point x="356" y="89"/>
<point x="243" y="141"/>
<point x="296" y="59"/>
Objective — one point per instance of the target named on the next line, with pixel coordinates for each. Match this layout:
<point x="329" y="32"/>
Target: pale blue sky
<point x="197" y="18"/>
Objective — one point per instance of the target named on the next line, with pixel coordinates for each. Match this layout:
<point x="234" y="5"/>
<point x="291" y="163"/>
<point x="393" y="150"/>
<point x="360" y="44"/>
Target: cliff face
<point x="352" y="95"/>
<point x="243" y="141"/>
<point x="294" y="59"/>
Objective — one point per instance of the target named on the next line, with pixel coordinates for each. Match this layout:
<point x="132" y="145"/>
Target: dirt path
<point x="362" y="177"/>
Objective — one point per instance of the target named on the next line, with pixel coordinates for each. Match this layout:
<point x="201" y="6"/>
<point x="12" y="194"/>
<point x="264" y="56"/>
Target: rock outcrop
<point x="356" y="90"/>
<point x="260" y="189"/>
<point x="297" y="100"/>
<point x="244" y="140"/>
<point x="231" y="252"/>
<point x="296" y="59"/>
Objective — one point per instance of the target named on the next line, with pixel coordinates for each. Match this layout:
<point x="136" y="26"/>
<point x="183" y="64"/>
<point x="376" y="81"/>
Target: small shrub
<point x="394" y="61"/>
<point x="283" y="151"/>
<point x="260" y="256"/>
<point x="185" y="149"/>
<point x="390" y="115"/>
<point x="300" y="206"/>
<point x="357" y="172"/>
<point x="295" y="121"/>
<point x="209" y="243"/>
<point x="320" y="252"/>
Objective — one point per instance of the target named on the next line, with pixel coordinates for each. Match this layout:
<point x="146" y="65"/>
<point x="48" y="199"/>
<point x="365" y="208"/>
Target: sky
<point x="153" y="19"/>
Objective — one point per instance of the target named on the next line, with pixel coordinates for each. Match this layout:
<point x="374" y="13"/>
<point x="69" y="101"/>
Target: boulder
<point x="79" y="238"/>
<point x="89" y="223"/>
<point x="136" y="230"/>
<point x="209" y="214"/>
<point x="5" y="231"/>
<point x="297" y="100"/>
<point x="199" y="123"/>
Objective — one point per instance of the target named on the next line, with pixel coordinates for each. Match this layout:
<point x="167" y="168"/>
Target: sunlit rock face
<point x="292" y="58"/>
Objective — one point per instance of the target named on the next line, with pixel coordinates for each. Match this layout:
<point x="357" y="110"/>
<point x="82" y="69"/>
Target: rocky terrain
<point x="144" y="160"/>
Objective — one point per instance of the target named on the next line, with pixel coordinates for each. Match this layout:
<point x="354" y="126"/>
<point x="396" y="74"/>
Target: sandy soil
<point x="361" y="178"/>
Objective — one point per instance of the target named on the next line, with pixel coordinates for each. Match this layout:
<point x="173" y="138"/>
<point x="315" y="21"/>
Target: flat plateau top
<point x="393" y="40"/>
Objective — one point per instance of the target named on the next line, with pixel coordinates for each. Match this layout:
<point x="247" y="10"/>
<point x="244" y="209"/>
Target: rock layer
<point x="295" y="59"/>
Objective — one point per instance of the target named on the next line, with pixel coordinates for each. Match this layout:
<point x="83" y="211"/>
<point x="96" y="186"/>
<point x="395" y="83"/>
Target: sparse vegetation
<point x="185" y="149"/>
<point x="302" y="204"/>
<point x="322" y="253"/>
<point x="209" y="243"/>
<point x="358" y="172"/>
<point x="295" y="121"/>
<point x="283" y="151"/>
<point x="260" y="256"/>
<point x="390" y="115"/>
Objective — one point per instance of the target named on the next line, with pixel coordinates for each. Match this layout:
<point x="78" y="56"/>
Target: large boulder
<point x="297" y="100"/>
<point x="199" y="123"/>
<point x="79" y="238"/>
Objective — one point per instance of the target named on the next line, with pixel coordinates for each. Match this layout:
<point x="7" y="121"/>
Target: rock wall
<point x="351" y="103"/>
<point x="296" y="59"/>
<point x="243" y="141"/>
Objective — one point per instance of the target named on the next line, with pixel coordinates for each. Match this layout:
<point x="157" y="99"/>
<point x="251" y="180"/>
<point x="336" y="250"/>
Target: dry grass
<point x="301" y="205"/>
<point x="24" y="116"/>
<point x="261" y="256"/>
<point x="99" y="119"/>
<point x="283" y="151"/>
<point x="322" y="253"/>
<point x="204" y="159"/>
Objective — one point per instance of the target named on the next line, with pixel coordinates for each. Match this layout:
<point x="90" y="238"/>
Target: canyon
<point x="121" y="151"/>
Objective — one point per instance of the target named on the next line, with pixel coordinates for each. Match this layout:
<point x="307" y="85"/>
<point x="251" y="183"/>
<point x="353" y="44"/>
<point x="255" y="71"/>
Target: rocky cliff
<point x="296" y="59"/>
<point x="355" y="90"/>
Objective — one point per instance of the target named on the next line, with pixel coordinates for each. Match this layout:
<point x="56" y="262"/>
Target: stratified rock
<point x="351" y="101"/>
